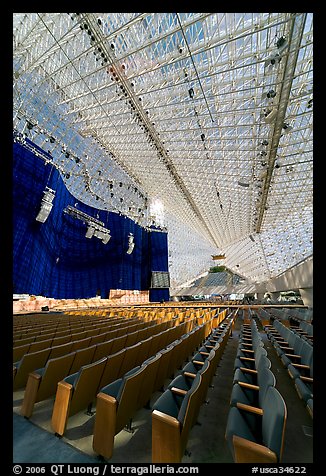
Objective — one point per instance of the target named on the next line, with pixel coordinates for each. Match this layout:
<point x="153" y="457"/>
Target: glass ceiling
<point x="200" y="123"/>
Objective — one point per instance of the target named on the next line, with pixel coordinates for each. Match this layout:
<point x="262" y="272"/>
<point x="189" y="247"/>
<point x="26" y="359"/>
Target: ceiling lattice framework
<point x="210" y="113"/>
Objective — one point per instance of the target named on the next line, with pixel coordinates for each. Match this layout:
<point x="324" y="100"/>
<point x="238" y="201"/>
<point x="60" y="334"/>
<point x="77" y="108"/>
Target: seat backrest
<point x="86" y="385"/>
<point x="82" y="357"/>
<point x="29" y="363"/>
<point x="263" y="362"/>
<point x="97" y="339"/>
<point x="111" y="334"/>
<point x="154" y="347"/>
<point x="54" y="371"/>
<point x="189" y="410"/>
<point x="265" y="379"/>
<point x="151" y="366"/>
<point x="297" y="346"/>
<point x="62" y="340"/>
<point x="274" y="421"/>
<point x="20" y="351"/>
<point x="112" y="368"/>
<point x="80" y="344"/>
<point x="59" y="350"/>
<point x="259" y="353"/>
<point x="306" y="353"/>
<point x="205" y="373"/>
<point x="127" y="396"/>
<point x="162" y="371"/>
<point x="144" y="349"/>
<point x="130" y="359"/>
<point x="131" y="338"/>
<point x="40" y="345"/>
<point x="118" y="343"/>
<point x="103" y="349"/>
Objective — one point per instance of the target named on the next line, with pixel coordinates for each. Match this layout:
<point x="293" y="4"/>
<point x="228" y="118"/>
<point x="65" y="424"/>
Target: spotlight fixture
<point x="191" y="92"/>
<point x="243" y="183"/>
<point x="269" y="114"/>
<point x="131" y="244"/>
<point x="90" y="232"/>
<point x="46" y="205"/>
<point x="286" y="128"/>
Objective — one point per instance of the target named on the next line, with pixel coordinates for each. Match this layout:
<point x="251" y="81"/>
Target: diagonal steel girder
<point x="92" y="21"/>
<point x="294" y="40"/>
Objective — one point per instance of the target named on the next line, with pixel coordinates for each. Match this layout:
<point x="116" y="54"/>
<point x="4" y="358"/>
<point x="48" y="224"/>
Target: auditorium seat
<point x="82" y="357"/>
<point x="250" y="394"/>
<point x="80" y="344"/>
<point x="42" y="383"/>
<point x="147" y="386"/>
<point x="164" y="366"/>
<point x="172" y="419"/>
<point x="248" y="445"/>
<point x="76" y="392"/>
<point x="248" y="375"/>
<point x="59" y="350"/>
<point x="103" y="349"/>
<point x="27" y="364"/>
<point x="19" y="352"/>
<point x="310" y="407"/>
<point x="115" y="405"/>
<point x="250" y="362"/>
<point x="112" y="368"/>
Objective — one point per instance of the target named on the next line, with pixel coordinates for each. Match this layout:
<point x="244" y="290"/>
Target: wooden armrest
<point x="189" y="374"/>
<point x="198" y="362"/>
<point x="248" y="385"/>
<point x="249" y="371"/>
<point x="247" y="359"/>
<point x="301" y="366"/>
<point x="250" y="409"/>
<point x="165" y="418"/>
<point x="247" y="350"/>
<point x="205" y="353"/>
<point x="307" y="379"/>
<point x="285" y="347"/>
<point x="178" y="391"/>
<point x="294" y="355"/>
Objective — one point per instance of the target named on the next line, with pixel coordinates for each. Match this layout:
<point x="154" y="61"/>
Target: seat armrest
<point x="250" y="386"/>
<point x="178" y="391"/>
<point x="249" y="371"/>
<point x="250" y="408"/>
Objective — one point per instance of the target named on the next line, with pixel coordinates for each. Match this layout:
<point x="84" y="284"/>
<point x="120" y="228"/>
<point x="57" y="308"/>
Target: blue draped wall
<point x="55" y="259"/>
<point x="159" y="262"/>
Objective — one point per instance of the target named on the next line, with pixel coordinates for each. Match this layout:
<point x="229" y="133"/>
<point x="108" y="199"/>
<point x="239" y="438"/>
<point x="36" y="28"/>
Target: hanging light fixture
<point x="131" y="244"/>
<point x="46" y="205"/>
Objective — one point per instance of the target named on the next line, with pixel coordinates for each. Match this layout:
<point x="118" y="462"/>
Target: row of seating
<point x="70" y="329"/>
<point x="257" y="416"/>
<point x="117" y="403"/>
<point x="111" y="341"/>
<point x="45" y="322"/>
<point x="305" y="330"/>
<point x="175" y="412"/>
<point x="296" y="355"/>
<point x="93" y="331"/>
<point x="79" y="389"/>
<point x="42" y="383"/>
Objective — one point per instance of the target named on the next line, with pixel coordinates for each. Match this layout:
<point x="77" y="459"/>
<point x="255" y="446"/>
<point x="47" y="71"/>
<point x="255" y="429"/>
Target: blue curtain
<point x="54" y="258"/>
<point x="159" y="262"/>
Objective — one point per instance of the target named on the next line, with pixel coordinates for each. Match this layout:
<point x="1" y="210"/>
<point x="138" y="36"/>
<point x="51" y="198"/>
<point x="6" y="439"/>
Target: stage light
<point x="46" y="205"/>
<point x="131" y="244"/>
